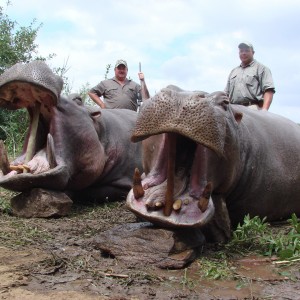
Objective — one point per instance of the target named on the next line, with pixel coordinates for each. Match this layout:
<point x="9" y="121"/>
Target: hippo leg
<point x="219" y="228"/>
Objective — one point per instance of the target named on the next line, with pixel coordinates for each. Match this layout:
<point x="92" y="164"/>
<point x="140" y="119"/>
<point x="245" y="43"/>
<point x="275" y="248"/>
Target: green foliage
<point x="5" y="197"/>
<point x="249" y="232"/>
<point x="108" y="66"/>
<point x="216" y="267"/>
<point x="257" y="235"/>
<point x="61" y="71"/>
<point x="83" y="92"/>
<point x="14" y="126"/>
<point x="17" y="44"/>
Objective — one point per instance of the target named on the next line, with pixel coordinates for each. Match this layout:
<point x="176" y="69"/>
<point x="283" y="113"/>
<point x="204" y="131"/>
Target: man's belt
<point x="248" y="102"/>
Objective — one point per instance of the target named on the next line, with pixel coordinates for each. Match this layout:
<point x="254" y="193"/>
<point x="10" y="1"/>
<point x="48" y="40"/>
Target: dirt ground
<point x="55" y="259"/>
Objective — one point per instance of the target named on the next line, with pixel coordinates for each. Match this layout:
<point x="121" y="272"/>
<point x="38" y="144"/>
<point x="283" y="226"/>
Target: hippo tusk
<point x="203" y="204"/>
<point x="137" y="188"/>
<point x="170" y="174"/>
<point x="4" y="163"/>
<point x="203" y="201"/>
<point x="50" y="152"/>
<point x="33" y="130"/>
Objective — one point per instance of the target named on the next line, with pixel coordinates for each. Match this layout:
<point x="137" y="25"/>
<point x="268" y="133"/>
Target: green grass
<point x="254" y="236"/>
<point x="257" y="235"/>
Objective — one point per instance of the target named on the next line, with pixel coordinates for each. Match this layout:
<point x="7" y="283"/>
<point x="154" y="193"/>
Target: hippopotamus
<point x="69" y="146"/>
<point x="209" y="163"/>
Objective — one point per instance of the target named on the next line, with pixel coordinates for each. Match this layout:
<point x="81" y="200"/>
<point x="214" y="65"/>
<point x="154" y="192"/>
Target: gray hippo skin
<point x="208" y="163"/>
<point x="69" y="146"/>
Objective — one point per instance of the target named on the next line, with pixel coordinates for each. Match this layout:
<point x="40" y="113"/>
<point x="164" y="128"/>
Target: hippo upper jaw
<point x="178" y="187"/>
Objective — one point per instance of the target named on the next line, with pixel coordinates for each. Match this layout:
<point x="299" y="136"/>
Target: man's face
<point x="246" y="55"/>
<point x="121" y="72"/>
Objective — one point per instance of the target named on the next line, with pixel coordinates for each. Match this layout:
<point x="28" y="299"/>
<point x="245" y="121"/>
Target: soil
<point x="55" y="259"/>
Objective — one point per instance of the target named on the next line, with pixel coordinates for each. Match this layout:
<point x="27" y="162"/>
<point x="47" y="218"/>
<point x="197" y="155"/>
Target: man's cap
<point x="121" y="62"/>
<point x="246" y="45"/>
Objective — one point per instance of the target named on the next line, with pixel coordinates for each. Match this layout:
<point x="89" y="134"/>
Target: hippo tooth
<point x="4" y="163"/>
<point x="170" y="174"/>
<point x="33" y="130"/>
<point x="20" y="168"/>
<point x="203" y="203"/>
<point x="177" y="204"/>
<point x="207" y="191"/>
<point x="158" y="204"/>
<point x="137" y="188"/>
<point x="50" y="153"/>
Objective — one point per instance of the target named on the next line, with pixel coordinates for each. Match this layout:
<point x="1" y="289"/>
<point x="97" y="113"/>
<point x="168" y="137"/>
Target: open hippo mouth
<point x="24" y="86"/>
<point x="177" y="190"/>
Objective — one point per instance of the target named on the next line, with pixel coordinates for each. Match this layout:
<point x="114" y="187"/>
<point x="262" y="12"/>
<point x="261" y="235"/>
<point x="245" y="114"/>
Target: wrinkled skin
<point x="228" y="161"/>
<point x="77" y="148"/>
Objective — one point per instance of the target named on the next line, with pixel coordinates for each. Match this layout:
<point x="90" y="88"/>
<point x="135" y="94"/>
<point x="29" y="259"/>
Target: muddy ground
<point x="55" y="259"/>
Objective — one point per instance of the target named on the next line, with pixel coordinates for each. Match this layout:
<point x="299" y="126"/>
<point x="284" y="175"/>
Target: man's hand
<point x="141" y="76"/>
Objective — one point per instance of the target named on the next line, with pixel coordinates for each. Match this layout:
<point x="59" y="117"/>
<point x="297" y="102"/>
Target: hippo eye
<point x="78" y="100"/>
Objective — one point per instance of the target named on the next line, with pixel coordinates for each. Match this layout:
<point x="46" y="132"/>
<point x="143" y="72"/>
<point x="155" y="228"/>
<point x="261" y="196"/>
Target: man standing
<point x="120" y="92"/>
<point x="251" y="82"/>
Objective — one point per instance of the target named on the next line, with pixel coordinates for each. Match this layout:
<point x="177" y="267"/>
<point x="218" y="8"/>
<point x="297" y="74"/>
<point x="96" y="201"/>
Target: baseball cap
<point x="121" y="62"/>
<point x="246" y="45"/>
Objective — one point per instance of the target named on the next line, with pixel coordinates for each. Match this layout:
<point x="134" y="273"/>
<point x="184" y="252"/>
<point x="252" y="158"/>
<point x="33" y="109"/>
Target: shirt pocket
<point x="232" y="80"/>
<point x="111" y="93"/>
<point x="251" y="80"/>
<point x="131" y="93"/>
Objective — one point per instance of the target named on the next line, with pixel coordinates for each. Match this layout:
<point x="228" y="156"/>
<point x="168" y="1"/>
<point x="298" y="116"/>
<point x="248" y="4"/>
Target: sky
<point x="189" y="43"/>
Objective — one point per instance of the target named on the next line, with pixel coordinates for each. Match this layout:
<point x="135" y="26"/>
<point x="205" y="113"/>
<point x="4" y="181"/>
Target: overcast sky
<point x="189" y="43"/>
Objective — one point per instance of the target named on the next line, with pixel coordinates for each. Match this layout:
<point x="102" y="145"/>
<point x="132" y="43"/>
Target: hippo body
<point x="230" y="161"/>
<point x="76" y="147"/>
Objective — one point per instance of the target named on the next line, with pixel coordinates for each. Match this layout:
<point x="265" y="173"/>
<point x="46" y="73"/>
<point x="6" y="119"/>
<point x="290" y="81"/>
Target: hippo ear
<point x="224" y="103"/>
<point x="221" y="99"/>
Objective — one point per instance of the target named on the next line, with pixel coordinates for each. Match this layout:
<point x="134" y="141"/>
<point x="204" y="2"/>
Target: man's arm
<point x="268" y="97"/>
<point x="96" y="99"/>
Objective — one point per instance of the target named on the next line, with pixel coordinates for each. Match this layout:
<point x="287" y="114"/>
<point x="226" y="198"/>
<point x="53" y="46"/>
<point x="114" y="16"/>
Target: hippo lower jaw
<point x="42" y="170"/>
<point x="174" y="193"/>
<point x="188" y="215"/>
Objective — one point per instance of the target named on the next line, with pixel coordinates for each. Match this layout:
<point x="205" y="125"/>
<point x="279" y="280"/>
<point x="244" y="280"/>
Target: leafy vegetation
<point x="256" y="235"/>
<point x="17" y="44"/>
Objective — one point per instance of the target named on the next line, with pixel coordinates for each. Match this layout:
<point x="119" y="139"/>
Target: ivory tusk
<point x="33" y="130"/>
<point x="170" y="174"/>
<point x="137" y="188"/>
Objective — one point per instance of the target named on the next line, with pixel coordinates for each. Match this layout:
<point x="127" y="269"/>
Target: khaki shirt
<point x="249" y="83"/>
<point x="118" y="96"/>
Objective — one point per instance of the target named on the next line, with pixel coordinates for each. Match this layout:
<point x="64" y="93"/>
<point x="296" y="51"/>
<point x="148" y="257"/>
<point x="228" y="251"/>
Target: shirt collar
<point x="250" y="64"/>
<point x="126" y="80"/>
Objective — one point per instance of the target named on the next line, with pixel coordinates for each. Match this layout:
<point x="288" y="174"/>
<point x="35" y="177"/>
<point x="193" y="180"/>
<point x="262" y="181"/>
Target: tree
<point x="17" y="44"/>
